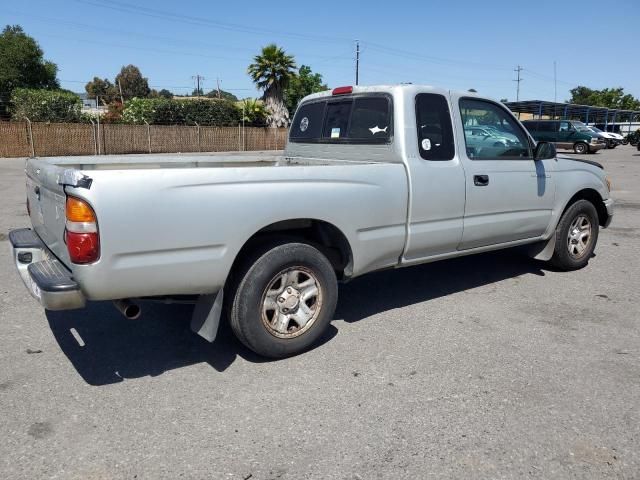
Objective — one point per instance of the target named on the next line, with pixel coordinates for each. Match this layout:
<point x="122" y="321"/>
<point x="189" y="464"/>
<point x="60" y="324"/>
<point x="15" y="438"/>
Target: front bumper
<point x="46" y="278"/>
<point x="610" y="211"/>
<point x="594" y="147"/>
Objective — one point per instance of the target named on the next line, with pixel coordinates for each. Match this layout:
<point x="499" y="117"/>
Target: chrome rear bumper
<point x="46" y="278"/>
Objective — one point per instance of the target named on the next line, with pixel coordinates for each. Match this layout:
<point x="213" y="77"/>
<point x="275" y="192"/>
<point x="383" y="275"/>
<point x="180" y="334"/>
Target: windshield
<point x="595" y="129"/>
<point x="581" y="127"/>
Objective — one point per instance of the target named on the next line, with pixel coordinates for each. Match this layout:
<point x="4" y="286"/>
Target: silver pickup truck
<point x="372" y="178"/>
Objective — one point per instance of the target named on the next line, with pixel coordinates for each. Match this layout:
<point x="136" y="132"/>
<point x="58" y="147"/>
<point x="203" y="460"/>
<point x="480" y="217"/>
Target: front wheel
<point x="581" y="147"/>
<point x="285" y="299"/>
<point x="576" y="236"/>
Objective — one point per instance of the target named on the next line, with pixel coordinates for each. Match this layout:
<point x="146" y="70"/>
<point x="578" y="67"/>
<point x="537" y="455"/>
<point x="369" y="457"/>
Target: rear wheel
<point x="285" y="299"/>
<point x="576" y="236"/>
<point x="580" y="147"/>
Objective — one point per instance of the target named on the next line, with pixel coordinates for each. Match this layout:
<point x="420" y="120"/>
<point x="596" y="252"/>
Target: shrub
<point x="177" y="112"/>
<point x="45" y="105"/>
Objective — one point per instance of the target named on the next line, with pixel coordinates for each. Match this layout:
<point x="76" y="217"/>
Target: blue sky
<point x="454" y="44"/>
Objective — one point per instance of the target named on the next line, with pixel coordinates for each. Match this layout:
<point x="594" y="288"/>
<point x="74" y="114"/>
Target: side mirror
<point x="544" y="151"/>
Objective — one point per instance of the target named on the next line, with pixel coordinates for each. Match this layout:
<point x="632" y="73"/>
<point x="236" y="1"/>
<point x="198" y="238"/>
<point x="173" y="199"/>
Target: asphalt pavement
<point x="491" y="366"/>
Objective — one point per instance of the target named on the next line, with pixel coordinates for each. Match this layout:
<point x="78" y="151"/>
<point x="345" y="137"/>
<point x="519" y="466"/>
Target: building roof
<point x="587" y="113"/>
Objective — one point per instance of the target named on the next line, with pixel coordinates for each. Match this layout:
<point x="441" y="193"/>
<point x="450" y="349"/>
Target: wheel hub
<point x="291" y="302"/>
<point x="579" y="236"/>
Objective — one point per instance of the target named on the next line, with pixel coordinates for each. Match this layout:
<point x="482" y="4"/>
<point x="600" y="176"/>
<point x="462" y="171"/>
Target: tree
<point x="223" y="95"/>
<point x="197" y="92"/>
<point x="303" y="84"/>
<point x="608" y="97"/>
<point x="22" y="64"/>
<point x="164" y="93"/>
<point x="132" y="83"/>
<point x="102" y="89"/>
<point x="271" y="71"/>
<point x="472" y="90"/>
<point x="504" y="100"/>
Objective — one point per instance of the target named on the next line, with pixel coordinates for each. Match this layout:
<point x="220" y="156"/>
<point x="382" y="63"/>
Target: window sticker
<point x="377" y="129"/>
<point x="335" y="133"/>
<point x="304" y="124"/>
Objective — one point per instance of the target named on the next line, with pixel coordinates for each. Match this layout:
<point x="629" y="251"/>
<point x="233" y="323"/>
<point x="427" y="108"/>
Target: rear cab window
<point x="359" y="118"/>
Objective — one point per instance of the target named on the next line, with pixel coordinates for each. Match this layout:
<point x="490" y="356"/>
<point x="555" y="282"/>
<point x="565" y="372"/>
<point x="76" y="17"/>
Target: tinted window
<point x="549" y="126"/>
<point x="357" y="119"/>
<point x="370" y="119"/>
<point x="337" y="120"/>
<point x="435" y="133"/>
<point x="505" y="140"/>
<point x="531" y="126"/>
<point x="307" y="123"/>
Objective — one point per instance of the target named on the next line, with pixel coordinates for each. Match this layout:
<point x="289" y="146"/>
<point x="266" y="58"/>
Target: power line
<point x="176" y="17"/>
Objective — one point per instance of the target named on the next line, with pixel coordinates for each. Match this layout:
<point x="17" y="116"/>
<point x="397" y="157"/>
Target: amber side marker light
<point x="81" y="232"/>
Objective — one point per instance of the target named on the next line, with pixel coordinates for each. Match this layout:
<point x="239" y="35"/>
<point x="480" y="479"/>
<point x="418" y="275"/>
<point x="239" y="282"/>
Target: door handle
<point x="481" y="180"/>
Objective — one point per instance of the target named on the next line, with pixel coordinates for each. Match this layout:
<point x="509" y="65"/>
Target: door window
<point x="504" y="139"/>
<point x="435" y="133"/>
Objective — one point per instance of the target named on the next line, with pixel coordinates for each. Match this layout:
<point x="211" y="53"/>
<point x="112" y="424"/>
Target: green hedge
<point x="180" y="112"/>
<point x="45" y="105"/>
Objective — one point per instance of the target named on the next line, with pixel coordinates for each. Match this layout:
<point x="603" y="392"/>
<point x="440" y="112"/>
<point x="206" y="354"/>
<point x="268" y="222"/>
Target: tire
<point x="611" y="144"/>
<point x="573" y="250"/>
<point x="580" y="147"/>
<point x="274" y="310"/>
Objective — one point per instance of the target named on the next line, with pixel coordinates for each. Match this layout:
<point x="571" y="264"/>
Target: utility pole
<point x="555" y="83"/>
<point x="218" y="84"/>
<point x="197" y="78"/>
<point x="357" y="60"/>
<point x="518" y="79"/>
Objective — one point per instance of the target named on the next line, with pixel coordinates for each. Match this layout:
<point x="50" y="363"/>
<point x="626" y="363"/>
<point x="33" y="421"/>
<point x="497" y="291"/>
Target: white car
<point x="613" y="139"/>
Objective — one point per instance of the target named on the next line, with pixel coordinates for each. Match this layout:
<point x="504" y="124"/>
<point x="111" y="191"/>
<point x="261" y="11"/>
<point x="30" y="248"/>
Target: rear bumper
<point x="46" y="278"/>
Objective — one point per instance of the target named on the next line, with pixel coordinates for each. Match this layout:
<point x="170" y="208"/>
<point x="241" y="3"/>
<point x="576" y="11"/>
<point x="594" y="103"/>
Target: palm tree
<point x="271" y="72"/>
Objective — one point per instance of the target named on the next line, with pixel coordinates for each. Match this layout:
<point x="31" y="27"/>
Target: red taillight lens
<point x="81" y="232"/>
<point x="342" y="90"/>
<point x="83" y="247"/>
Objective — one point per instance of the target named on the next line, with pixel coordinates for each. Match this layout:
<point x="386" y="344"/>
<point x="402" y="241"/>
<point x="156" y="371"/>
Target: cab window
<point x="504" y="139"/>
<point x="435" y="133"/>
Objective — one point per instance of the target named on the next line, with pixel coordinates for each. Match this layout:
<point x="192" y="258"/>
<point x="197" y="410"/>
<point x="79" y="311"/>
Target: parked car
<point x="566" y="134"/>
<point x="611" y="139"/>
<point x="372" y="178"/>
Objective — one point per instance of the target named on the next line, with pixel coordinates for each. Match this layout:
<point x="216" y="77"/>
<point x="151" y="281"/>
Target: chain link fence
<point x="23" y="139"/>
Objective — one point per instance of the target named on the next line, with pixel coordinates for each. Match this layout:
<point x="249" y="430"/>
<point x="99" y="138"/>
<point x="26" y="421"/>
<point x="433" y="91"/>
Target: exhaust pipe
<point x="130" y="310"/>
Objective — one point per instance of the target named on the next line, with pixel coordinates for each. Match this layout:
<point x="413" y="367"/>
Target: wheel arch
<point x="595" y="198"/>
<point x="323" y="235"/>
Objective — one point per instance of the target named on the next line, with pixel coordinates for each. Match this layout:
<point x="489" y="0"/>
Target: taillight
<point x="81" y="232"/>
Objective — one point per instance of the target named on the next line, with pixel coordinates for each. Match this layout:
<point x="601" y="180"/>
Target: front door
<point x="509" y="196"/>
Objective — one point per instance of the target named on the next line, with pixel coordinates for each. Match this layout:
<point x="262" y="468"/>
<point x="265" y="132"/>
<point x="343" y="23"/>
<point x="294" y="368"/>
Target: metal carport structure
<point x="571" y="111"/>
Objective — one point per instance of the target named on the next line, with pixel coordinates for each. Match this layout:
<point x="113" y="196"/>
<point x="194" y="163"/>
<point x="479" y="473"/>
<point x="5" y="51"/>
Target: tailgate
<point x="45" y="192"/>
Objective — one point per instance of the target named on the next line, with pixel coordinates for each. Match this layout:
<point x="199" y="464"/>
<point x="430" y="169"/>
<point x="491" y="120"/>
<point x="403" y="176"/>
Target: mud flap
<point x="206" y="315"/>
<point x="543" y="250"/>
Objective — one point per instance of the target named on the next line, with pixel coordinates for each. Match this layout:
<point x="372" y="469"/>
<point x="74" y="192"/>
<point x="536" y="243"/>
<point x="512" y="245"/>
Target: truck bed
<point x="180" y="219"/>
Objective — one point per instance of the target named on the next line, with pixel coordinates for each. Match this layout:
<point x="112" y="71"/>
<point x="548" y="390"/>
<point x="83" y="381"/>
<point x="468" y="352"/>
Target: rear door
<point x="437" y="179"/>
<point x="509" y="196"/>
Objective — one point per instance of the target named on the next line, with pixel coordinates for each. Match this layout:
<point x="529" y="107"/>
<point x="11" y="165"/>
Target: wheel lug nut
<point x="281" y="299"/>
<point x="289" y="290"/>
<point x="285" y="310"/>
